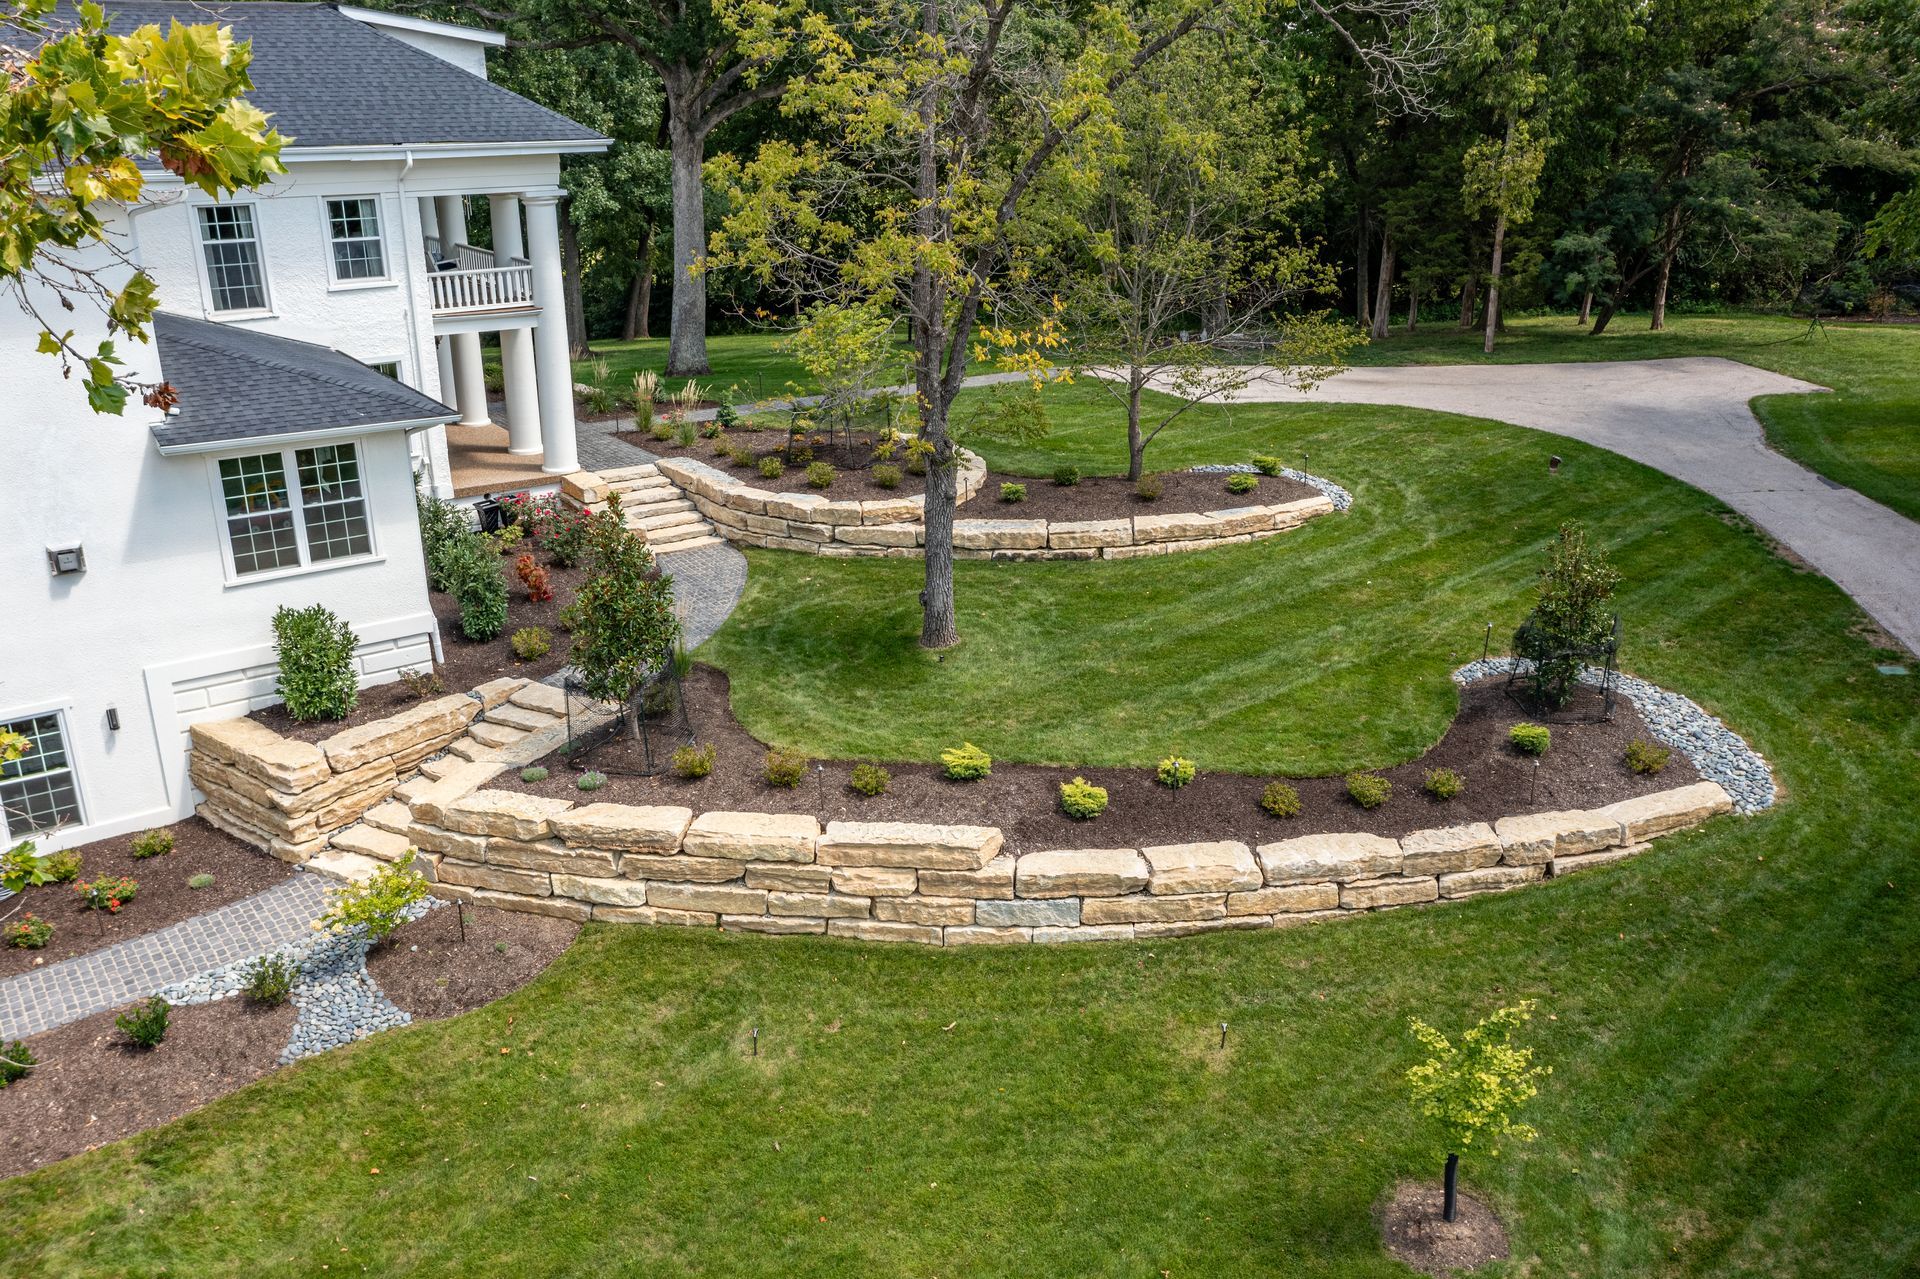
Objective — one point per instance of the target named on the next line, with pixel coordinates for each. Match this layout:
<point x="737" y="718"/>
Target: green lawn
<point x="1730" y="1018"/>
<point x="747" y="363"/>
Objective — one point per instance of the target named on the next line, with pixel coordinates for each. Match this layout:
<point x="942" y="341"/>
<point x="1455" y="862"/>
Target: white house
<point x="316" y="331"/>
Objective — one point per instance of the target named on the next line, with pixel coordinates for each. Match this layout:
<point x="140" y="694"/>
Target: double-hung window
<point x="353" y="227"/>
<point x="230" y="240"/>
<point x="37" y="791"/>
<point x="295" y="508"/>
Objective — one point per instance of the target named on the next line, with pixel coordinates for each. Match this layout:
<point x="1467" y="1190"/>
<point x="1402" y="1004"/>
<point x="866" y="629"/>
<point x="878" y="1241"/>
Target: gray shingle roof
<point x="241" y="384"/>
<point x="331" y="81"/>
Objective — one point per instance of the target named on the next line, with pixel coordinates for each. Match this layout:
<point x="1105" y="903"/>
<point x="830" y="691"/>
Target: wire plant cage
<point x="1601" y="659"/>
<point x="842" y="431"/>
<point x="641" y="739"/>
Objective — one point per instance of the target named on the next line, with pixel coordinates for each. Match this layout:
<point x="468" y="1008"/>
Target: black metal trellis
<point x="1603" y="657"/>
<point x="656" y="715"/>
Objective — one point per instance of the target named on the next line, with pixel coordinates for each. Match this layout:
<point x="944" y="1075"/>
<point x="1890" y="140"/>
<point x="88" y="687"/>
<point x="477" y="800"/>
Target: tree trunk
<point x="1362" y="275"/>
<point x="687" y="340"/>
<point x="938" y="627"/>
<point x="1383" y="297"/>
<point x="1606" y="314"/>
<point x="1469" y="294"/>
<point x="1450" y="1206"/>
<point x="1413" y="306"/>
<point x="640" y="291"/>
<point x="570" y="276"/>
<point x="1660" y="289"/>
<point x="1493" y="282"/>
<point x="1586" y="308"/>
<point x="1136" y="446"/>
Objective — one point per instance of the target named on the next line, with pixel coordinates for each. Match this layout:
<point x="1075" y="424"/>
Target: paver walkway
<point x="133" y="969"/>
<point x="1689" y="418"/>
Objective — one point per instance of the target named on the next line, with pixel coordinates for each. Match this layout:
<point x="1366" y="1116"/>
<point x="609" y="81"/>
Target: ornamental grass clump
<point x="1570" y="617"/>
<point x="1279" y="799"/>
<point x="1444" y="783"/>
<point x="378" y="905"/>
<point x="965" y="763"/>
<point x="786" y="769"/>
<point x="691" y="762"/>
<point x="146" y="1023"/>
<point x="200" y="881"/>
<point x="869" y="780"/>
<point x="1531" y="739"/>
<point x="1175" y="772"/>
<point x="1082" y="800"/>
<point x="1369" y="790"/>
<point x="1649" y="759"/>
<point x="317" y="676"/>
<point x="29" y="932"/>
<point x="153" y="843"/>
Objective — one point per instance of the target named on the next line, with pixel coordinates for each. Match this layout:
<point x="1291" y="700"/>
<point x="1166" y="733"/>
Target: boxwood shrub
<point x="1083" y="800"/>
<point x="317" y="677"/>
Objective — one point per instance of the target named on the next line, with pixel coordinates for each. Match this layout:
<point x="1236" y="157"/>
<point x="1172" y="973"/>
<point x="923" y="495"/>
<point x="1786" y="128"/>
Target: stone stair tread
<point x="671" y="519"/>
<point x="521" y="717"/>
<point x="371" y="841"/>
<point x="692" y="544"/>
<point x="619" y="473"/>
<point x="354" y="868"/>
<point x="676" y="535"/>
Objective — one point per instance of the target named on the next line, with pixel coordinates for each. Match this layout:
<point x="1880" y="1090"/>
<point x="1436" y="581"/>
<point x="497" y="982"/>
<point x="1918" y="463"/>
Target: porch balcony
<point x="467" y="281"/>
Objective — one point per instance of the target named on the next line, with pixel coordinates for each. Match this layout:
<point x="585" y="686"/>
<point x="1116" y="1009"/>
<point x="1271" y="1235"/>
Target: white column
<point x="469" y="372"/>
<point x="516" y="345"/>
<point x="550" y="336"/>
<point x="449" y="385"/>
<point x="429" y="218"/>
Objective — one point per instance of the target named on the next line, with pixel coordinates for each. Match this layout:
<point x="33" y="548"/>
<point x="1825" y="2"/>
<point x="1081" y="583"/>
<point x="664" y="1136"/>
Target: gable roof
<point x="331" y="81"/>
<point x="237" y="385"/>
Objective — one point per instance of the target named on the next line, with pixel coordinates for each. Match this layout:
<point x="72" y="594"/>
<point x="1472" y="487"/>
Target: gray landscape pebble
<point x="1341" y="499"/>
<point x="1719" y="753"/>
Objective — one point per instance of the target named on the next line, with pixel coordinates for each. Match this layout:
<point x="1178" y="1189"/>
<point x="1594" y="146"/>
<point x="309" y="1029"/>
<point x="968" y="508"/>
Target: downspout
<point x="413" y="333"/>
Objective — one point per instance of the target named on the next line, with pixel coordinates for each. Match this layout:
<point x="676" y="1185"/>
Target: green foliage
<point x="1066" y="475"/>
<point x="624" y="625"/>
<point x="534" y="773"/>
<point x="1570" y="616"/>
<point x="1011" y="492"/>
<point x="420" y="685"/>
<point x="772" y="468"/>
<point x="1648" y="758"/>
<point x="1444" y="783"/>
<point x="820" y="475"/>
<point x="786" y="769"/>
<point x="870" y="780"/>
<point x="146" y="1023"/>
<point x="693" y="761"/>
<point x="317" y="676"/>
<point x="443" y="527"/>
<point x="684" y="435"/>
<point x="269" y="979"/>
<point x="108" y="893"/>
<point x="742" y="456"/>
<point x="1175" y="772"/>
<point x="378" y="905"/>
<point x="965" y="763"/>
<point x="200" y="881"/>
<point x="1148" y="488"/>
<point x="1268" y="465"/>
<point x="663" y="430"/>
<point x="1279" y="799"/>
<point x="1530" y="739"/>
<point x="1369" y="790"/>
<point x="61" y="867"/>
<point x="1082" y="800"/>
<point x="591" y="781"/>
<point x="154" y="843"/>
<point x="1241" y="483"/>
<point x="887" y="476"/>
<point x="1471" y="1090"/>
<point x="29" y="932"/>
<point x="530" y="643"/>
<point x="16" y="1059"/>
<point x="471" y="572"/>
<point x="21" y="867"/>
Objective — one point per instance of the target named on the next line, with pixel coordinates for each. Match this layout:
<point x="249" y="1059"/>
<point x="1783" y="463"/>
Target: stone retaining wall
<point x="813" y="524"/>
<point x="956" y="885"/>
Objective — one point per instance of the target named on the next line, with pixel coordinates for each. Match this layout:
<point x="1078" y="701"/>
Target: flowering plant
<point x="29" y="933"/>
<point x="108" y="893"/>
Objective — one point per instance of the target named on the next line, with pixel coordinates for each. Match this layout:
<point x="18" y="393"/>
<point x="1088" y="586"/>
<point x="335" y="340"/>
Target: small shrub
<point x="200" y="881"/>
<point x="534" y="576"/>
<point x="531" y="643"/>
<point x="726" y="414"/>
<point x="772" y="468"/>
<point x="1081" y="799"/>
<point x="61" y="868"/>
<point x="916" y="463"/>
<point x="108" y="893"/>
<point x="29" y="932"/>
<point x="820" y="475"/>
<point x="713" y="429"/>
<point x="691" y="762"/>
<point x="146" y="1023"/>
<point x="684" y="435"/>
<point x="1444" y="783"/>
<point x="785" y="769"/>
<point x="1066" y="476"/>
<point x="317" y="676"/>
<point x="1268" y="465"/>
<point x="662" y="429"/>
<point x="591" y="781"/>
<point x="1369" y="790"/>
<point x="1648" y="758"/>
<point x="886" y="475"/>
<point x="443" y="527"/>
<point x="1010" y="492"/>
<point x="722" y="446"/>
<point x="153" y="843"/>
<point x="1175" y="771"/>
<point x="599" y="400"/>
<point x="1531" y="739"/>
<point x="1240" y="483"/>
<point x="870" y="780"/>
<point x="421" y="685"/>
<point x="742" y="456"/>
<point x="476" y="582"/>
<point x="1280" y="800"/>
<point x="534" y="773"/>
<point x="378" y="905"/>
<point x="16" y="1059"/>
<point x="965" y="763"/>
<point x="1149" y="488"/>
<point x="505" y="539"/>
<point x="270" y="978"/>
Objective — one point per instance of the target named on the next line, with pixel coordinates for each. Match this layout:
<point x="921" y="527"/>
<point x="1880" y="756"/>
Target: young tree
<point x="1570" y="616"/>
<point x="1470" y="1090"/>
<point x="83" y="105"/>
<point x="624" y="627"/>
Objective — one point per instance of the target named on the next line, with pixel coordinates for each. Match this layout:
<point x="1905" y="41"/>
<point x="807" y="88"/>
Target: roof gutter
<point x="280" y="439"/>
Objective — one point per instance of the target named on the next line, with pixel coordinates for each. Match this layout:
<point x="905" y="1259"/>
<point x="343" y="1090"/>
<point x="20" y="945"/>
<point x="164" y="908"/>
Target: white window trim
<point x="307" y="565"/>
<point x="334" y="283"/>
<point x="260" y="251"/>
<point x="60" y="711"/>
<point x="398" y="361"/>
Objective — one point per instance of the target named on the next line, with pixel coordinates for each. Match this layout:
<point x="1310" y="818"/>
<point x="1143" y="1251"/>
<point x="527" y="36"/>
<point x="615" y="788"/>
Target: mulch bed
<point x="93" y="1087"/>
<point x="467" y="663"/>
<point x="1095" y="497"/>
<point x="1584" y="769"/>
<point x="164" y="898"/>
<point x="1413" y="1231"/>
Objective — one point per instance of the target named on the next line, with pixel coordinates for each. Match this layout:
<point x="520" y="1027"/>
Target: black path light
<point x="1553" y="464"/>
<point x="1223" y="1034"/>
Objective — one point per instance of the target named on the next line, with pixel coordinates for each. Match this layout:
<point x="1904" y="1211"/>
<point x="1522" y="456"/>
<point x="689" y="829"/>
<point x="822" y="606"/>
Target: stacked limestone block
<point x="955" y="885"/>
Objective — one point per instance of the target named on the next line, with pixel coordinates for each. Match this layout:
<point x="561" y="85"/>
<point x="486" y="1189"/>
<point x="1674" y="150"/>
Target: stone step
<point x="520" y="717"/>
<point x="354" y="868"/>
<point x="690" y="544"/>
<point x="371" y="841"/>
<point x="661" y="518"/>
<point x="658" y="491"/>
<point x="661" y="538"/>
<point x="623" y="473"/>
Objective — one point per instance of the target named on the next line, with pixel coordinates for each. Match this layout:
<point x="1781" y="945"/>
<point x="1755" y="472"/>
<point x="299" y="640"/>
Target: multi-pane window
<point x="386" y="368"/>
<point x="354" y="227"/>
<point x="37" y="791"/>
<point x="271" y="525"/>
<point x="232" y="247"/>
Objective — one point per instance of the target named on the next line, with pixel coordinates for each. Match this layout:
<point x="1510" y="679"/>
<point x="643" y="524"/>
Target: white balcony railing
<point x="488" y="288"/>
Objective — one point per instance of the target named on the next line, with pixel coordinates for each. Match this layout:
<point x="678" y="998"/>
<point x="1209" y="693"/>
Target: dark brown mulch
<point x="429" y="969"/>
<point x="466" y="663"/>
<point x="1584" y="769"/>
<point x="92" y="1086"/>
<point x="1095" y="497"/>
<point x="1413" y="1232"/>
<point x="164" y="898"/>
